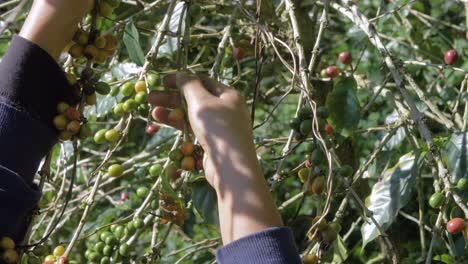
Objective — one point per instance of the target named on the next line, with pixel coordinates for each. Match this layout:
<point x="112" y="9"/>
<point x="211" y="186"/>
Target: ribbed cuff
<point x="273" y="245"/>
<point x="31" y="79"/>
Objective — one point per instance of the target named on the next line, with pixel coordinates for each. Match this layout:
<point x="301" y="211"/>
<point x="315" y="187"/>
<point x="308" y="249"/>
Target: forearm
<point x="244" y="202"/>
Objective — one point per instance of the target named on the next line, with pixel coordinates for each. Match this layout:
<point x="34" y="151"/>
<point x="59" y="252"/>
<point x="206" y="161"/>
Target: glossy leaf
<point x="343" y="106"/>
<point x="205" y="201"/>
<point x="389" y="195"/>
<point x="455" y="156"/>
<point x="131" y="39"/>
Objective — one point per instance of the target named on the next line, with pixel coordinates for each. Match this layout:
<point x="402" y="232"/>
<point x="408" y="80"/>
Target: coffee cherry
<point x="345" y="57"/>
<point x="72" y="114"/>
<point x="456" y="225"/>
<point x="188" y="163"/>
<point x="10" y="256"/>
<point x="74" y="127"/>
<point x="171" y="171"/>
<point x="152" y="79"/>
<point x="318" y="186"/>
<point x="60" y="122"/>
<point x="176" y="115"/>
<point x="450" y="57"/>
<point x="85" y="131"/>
<point x="123" y="250"/>
<point x="332" y="71"/>
<point x="105" y="260"/>
<point x="335" y="226"/>
<point x="102" y="88"/>
<point x="90" y="52"/>
<point x="238" y="53"/>
<point x="138" y="223"/>
<point x="142" y="192"/>
<point x="436" y="200"/>
<point x="311" y="259"/>
<point x="91" y="99"/>
<point x="111" y="43"/>
<point x="130" y="105"/>
<point x="50" y="258"/>
<point x="105" y="9"/>
<point x="100" y="136"/>
<point x="7" y="243"/>
<point x="155" y="169"/>
<point x="100" y="42"/>
<point x="81" y="37"/>
<point x="328" y="235"/>
<point x="65" y="135"/>
<point x="62" y="107"/>
<point x="118" y="109"/>
<point x="306" y="127"/>
<point x="176" y="155"/>
<point x="115" y="170"/>
<point x="152" y="129"/>
<point x="59" y="250"/>
<point x="140" y="86"/>
<point x="111" y="240"/>
<point x="295" y="123"/>
<point x="329" y="130"/>
<point x="187" y="148"/>
<point x="123" y="196"/>
<point x="40" y="250"/>
<point x="322" y="225"/>
<point x="462" y="184"/>
<point x="76" y="51"/>
<point x="303" y="174"/>
<point x="112" y="135"/>
<point x="141" y="97"/>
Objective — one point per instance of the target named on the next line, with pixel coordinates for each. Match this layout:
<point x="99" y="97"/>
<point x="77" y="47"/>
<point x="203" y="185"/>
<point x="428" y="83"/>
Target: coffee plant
<point x="359" y="112"/>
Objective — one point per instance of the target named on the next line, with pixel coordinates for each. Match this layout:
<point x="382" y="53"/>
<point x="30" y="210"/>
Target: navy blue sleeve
<point x="31" y="85"/>
<point x="273" y="246"/>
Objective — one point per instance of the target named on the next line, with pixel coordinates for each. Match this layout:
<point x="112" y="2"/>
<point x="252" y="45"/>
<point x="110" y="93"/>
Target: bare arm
<point x="220" y="121"/>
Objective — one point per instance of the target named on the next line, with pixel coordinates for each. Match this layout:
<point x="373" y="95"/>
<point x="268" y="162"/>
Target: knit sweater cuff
<point x="273" y="245"/>
<point x="32" y="80"/>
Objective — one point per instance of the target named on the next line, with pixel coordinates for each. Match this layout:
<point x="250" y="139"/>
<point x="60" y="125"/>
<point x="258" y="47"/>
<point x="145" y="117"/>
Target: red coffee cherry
<point x="329" y="130"/>
<point x="456" y="225"/>
<point x="332" y="71"/>
<point x="345" y="58"/>
<point x="152" y="129"/>
<point x="450" y="57"/>
<point x="238" y="53"/>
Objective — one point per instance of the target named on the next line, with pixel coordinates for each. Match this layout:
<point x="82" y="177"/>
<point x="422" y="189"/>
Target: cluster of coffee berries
<point x="187" y="157"/>
<point x="302" y="124"/>
<point x="68" y="122"/>
<point x="325" y="232"/>
<point x="95" y="48"/>
<point x="172" y="211"/>
<point x="57" y="256"/>
<point x="333" y="71"/>
<point x="108" y="246"/>
<point x="8" y="252"/>
<point x="104" y="135"/>
<point x="134" y="98"/>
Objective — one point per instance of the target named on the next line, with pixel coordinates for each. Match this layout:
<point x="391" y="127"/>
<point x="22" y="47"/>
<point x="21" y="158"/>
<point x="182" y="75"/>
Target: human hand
<point x="219" y="119"/>
<point x="51" y="24"/>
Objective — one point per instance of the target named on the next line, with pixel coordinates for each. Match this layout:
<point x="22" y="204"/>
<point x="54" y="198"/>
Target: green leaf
<point x="454" y="155"/>
<point x="389" y="195"/>
<point x="205" y="201"/>
<point x="131" y="39"/>
<point x="343" y="106"/>
<point x="340" y="252"/>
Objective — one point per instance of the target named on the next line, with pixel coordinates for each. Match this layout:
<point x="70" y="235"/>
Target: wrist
<point x="48" y="26"/>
